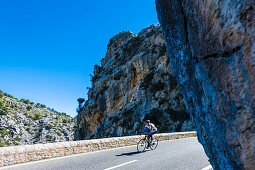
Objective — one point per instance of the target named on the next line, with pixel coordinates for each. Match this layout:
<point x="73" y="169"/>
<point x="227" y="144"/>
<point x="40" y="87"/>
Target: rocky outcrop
<point x="212" y="52"/>
<point x="134" y="83"/>
<point x="23" y="122"/>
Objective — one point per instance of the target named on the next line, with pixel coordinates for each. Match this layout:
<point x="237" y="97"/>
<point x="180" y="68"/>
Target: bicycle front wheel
<point x="154" y="144"/>
<point x="141" y="145"/>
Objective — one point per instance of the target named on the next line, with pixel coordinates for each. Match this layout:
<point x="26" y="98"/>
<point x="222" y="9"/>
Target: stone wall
<point x="26" y="153"/>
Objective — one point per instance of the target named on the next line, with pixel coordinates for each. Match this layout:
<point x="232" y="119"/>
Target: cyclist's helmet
<point x="148" y="121"/>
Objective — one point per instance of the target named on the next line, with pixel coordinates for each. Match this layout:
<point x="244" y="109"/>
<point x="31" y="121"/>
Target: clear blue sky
<point x="48" y="48"/>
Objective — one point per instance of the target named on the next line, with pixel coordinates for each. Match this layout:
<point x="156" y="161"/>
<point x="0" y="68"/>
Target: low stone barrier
<point x="27" y="153"/>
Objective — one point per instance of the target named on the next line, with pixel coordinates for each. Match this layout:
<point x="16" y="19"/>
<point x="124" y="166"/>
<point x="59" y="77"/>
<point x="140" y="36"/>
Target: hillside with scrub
<point x="26" y="122"/>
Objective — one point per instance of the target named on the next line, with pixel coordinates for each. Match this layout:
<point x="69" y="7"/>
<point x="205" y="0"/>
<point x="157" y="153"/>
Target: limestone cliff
<point x="211" y="45"/>
<point x="134" y="82"/>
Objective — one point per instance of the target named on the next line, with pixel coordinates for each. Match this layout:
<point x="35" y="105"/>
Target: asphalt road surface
<point x="181" y="154"/>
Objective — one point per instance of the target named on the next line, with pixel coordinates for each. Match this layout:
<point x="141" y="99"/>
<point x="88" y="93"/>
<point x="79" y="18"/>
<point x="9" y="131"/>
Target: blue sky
<point x="48" y="48"/>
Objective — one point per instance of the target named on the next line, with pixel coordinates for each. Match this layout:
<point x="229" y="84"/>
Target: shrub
<point x="4" y="111"/>
<point x="28" y="130"/>
<point x="22" y="100"/>
<point x="38" y="116"/>
<point x="32" y="103"/>
<point x="8" y="95"/>
<point x="81" y="100"/>
<point x="63" y="114"/>
<point x="1" y="95"/>
<point x="7" y="143"/>
<point x="27" y="101"/>
<point x="29" y="108"/>
<point x="42" y="106"/>
<point x="17" y="139"/>
<point x="59" y="134"/>
<point x="50" y="126"/>
<point x="48" y="137"/>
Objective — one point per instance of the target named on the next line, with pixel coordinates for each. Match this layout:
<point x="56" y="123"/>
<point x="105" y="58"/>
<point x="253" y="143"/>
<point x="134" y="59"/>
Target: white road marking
<point x="209" y="167"/>
<point x="120" y="165"/>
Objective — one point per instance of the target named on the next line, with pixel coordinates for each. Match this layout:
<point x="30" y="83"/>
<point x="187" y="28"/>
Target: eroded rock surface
<point x="212" y="53"/>
<point x="134" y="83"/>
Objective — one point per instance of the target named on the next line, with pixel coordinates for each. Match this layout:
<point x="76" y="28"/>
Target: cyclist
<point x="152" y="129"/>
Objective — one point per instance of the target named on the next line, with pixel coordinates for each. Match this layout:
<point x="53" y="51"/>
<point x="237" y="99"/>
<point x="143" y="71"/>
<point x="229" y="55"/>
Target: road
<point x="181" y="154"/>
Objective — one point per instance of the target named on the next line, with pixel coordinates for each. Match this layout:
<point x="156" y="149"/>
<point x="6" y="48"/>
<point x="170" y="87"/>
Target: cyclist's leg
<point x="150" y="134"/>
<point x="153" y="134"/>
<point x="149" y="137"/>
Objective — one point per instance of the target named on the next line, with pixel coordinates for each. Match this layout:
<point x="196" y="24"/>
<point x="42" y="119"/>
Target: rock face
<point x="212" y="53"/>
<point x="134" y="83"/>
<point x="23" y="122"/>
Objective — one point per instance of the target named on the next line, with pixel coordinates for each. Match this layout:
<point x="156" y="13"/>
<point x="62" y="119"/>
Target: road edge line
<point x="209" y="167"/>
<point x="117" y="166"/>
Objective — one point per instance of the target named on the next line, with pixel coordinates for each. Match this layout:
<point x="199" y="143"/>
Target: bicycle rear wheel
<point x="141" y="145"/>
<point x="154" y="144"/>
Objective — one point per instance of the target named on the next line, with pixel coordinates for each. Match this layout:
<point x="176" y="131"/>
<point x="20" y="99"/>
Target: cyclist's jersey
<point x="151" y="126"/>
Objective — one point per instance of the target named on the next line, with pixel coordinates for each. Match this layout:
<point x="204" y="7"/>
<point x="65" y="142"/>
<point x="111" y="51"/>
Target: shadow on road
<point x="130" y="153"/>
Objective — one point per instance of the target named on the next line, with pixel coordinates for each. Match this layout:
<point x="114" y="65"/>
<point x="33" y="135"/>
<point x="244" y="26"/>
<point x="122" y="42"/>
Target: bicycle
<point x="146" y="143"/>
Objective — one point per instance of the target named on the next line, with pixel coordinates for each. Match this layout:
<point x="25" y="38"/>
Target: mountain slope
<point x="23" y="122"/>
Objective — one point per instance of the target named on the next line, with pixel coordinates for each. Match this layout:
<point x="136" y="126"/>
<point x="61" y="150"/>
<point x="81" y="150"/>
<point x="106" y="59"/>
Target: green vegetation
<point x="59" y="134"/>
<point x="4" y="110"/>
<point x="1" y="94"/>
<point x="21" y="116"/>
<point x="17" y="139"/>
<point x="25" y="101"/>
<point x="65" y="121"/>
<point x="7" y="95"/>
<point x="49" y="138"/>
<point x="38" y="116"/>
<point x="42" y="106"/>
<point x="29" y="108"/>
